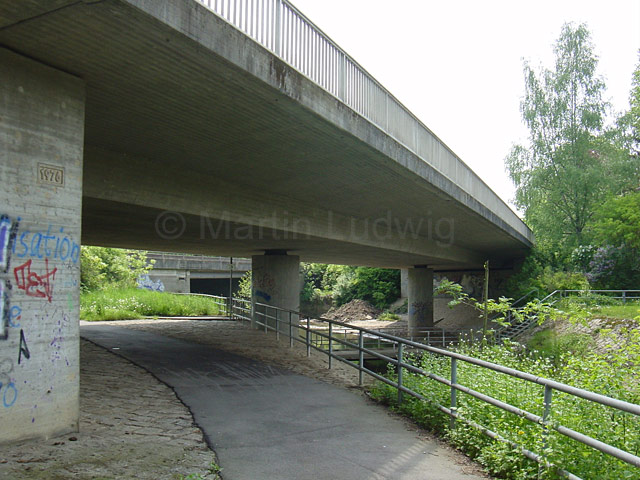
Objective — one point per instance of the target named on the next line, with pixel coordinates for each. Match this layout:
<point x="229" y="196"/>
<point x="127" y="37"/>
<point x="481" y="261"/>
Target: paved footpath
<point x="270" y="423"/>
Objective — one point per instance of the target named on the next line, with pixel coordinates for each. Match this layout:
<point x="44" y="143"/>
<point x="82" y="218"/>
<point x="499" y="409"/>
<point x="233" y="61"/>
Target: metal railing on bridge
<point x="303" y="329"/>
<point x="281" y="28"/>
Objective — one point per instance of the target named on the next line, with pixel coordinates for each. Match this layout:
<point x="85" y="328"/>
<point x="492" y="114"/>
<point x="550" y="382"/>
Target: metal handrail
<point x="282" y="29"/>
<point x="624" y="295"/>
<point x="281" y="321"/>
<point x="552" y="299"/>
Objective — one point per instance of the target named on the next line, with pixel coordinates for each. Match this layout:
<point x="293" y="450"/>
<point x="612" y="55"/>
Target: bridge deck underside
<point x="190" y="125"/>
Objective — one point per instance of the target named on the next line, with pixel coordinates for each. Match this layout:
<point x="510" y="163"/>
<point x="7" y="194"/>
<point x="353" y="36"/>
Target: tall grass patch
<point x="132" y="303"/>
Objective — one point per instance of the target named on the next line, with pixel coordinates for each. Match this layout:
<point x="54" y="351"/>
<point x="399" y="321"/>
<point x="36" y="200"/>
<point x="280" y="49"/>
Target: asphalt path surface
<point x="268" y="423"/>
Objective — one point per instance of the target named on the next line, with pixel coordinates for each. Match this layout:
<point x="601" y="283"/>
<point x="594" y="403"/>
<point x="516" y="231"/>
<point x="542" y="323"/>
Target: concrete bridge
<point x="229" y="128"/>
<point x="185" y="273"/>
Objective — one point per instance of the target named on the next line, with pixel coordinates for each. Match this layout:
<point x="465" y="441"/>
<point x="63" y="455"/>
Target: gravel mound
<point x="355" y="310"/>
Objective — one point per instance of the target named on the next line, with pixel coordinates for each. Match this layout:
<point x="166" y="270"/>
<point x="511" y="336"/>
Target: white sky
<point x="457" y="64"/>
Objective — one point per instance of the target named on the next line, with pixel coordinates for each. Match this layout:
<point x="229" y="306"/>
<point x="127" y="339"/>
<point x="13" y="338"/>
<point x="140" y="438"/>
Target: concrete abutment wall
<point x="41" y="155"/>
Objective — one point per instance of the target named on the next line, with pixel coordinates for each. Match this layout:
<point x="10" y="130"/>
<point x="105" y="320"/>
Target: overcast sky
<point x="457" y="64"/>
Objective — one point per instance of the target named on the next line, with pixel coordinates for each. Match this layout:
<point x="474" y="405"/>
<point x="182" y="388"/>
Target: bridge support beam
<point x="41" y="152"/>
<point x="276" y="282"/>
<point x="420" y="292"/>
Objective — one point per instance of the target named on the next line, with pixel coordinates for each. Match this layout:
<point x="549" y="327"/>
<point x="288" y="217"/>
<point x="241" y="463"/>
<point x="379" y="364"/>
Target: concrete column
<point x="275" y="281"/>
<point x="420" y="280"/>
<point x="41" y="149"/>
<point x="404" y="283"/>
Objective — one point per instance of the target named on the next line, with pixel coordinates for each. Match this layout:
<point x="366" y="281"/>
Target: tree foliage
<point x="571" y="163"/>
<point x="629" y="123"/>
<point x="617" y="221"/>
<point x="344" y="283"/>
<point x="111" y="267"/>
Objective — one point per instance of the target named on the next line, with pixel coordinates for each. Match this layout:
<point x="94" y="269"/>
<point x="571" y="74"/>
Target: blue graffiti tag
<point x="51" y="245"/>
<point x="15" y="314"/>
<point x="266" y="296"/>
<point x="5" y="234"/>
<point x="10" y="387"/>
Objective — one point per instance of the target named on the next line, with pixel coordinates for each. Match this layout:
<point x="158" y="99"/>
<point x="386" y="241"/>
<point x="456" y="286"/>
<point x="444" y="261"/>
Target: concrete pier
<point x="276" y="282"/>
<point x="420" y="286"/>
<point x="41" y="148"/>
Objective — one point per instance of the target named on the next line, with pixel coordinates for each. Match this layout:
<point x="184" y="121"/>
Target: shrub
<point x="615" y="268"/>
<point x="111" y="267"/>
<point x="244" y="288"/>
<point x="550" y="280"/>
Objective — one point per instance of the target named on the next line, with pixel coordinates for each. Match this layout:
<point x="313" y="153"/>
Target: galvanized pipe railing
<point x="557" y="295"/>
<point x="281" y="28"/>
<point x="241" y="309"/>
<point x="623" y="295"/>
<point x="272" y="318"/>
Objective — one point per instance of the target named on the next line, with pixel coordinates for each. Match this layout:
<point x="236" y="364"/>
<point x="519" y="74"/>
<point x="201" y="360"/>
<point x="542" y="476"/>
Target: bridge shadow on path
<point x="269" y="423"/>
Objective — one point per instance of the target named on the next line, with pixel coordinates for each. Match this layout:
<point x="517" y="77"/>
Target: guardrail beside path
<point x="298" y="328"/>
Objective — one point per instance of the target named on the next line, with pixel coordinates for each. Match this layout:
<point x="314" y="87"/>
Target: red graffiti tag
<point x="33" y="284"/>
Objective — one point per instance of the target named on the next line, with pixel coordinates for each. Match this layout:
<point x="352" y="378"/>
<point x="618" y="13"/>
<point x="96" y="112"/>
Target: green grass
<point x="629" y="311"/>
<point x="594" y="305"/>
<point x="132" y="303"/>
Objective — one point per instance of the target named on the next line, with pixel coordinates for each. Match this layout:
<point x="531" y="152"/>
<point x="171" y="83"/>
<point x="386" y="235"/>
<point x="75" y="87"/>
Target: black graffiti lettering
<point x="24" y="348"/>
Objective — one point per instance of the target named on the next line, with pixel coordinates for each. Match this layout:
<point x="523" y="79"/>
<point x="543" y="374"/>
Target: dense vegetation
<point x="341" y="284"/>
<point x="612" y="369"/>
<point x="103" y="268"/>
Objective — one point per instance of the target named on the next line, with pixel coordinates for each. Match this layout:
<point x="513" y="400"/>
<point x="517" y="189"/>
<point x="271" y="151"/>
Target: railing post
<point x="330" y="343"/>
<point x="360" y="357"/>
<point x="278" y="28"/>
<point x="254" y="313"/>
<point x="624" y="297"/>
<point x="265" y="318"/>
<point x="386" y="112"/>
<point x="548" y="392"/>
<point x="308" y="337"/>
<point x="454" y="392"/>
<point x="290" y="331"/>
<point x="400" y="392"/>
<point x="342" y="76"/>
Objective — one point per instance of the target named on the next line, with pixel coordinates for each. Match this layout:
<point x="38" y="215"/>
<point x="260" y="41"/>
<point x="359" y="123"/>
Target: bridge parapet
<point x="281" y="28"/>
<point x="179" y="261"/>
